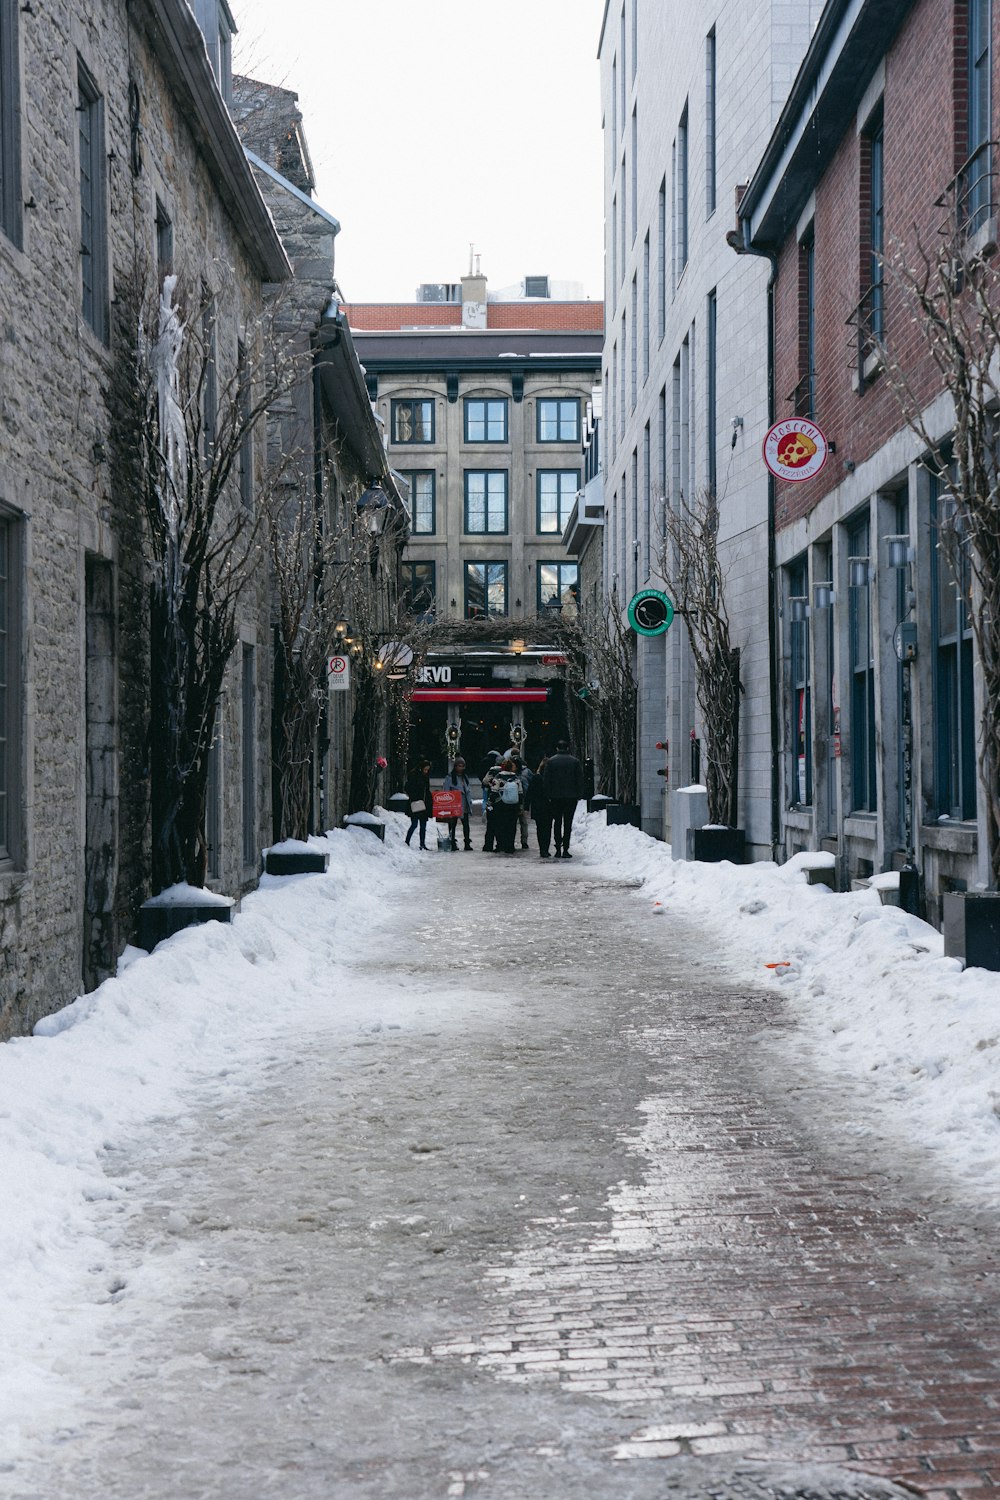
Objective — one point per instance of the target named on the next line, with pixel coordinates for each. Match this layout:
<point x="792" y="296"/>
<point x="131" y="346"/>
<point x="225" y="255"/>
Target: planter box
<point x="971" y="927"/>
<point x="315" y="862"/>
<point x="399" y="802"/>
<point x="378" y="829"/>
<point x="599" y="803"/>
<point x="159" y="922"/>
<point x="624" y="812"/>
<point x="712" y="845"/>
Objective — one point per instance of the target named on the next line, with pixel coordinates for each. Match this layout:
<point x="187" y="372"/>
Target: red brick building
<point x="893" y="104"/>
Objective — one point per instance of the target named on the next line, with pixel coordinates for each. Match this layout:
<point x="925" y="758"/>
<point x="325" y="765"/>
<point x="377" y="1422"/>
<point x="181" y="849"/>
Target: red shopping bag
<point x="446" y="805"/>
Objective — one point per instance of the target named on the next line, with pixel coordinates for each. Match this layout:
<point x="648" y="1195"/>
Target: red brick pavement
<point x="762" y="1291"/>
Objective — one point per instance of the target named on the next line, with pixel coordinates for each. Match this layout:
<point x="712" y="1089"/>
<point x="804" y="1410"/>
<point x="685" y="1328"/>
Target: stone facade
<point x="688" y="101"/>
<point x="132" y="94"/>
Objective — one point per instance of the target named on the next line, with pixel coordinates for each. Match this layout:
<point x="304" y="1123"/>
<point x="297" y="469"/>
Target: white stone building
<point x="689" y="98"/>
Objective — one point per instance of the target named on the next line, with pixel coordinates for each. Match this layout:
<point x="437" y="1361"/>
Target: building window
<point x="647" y="499"/>
<point x="536" y="286"/>
<point x="213" y="801"/>
<point x="635" y="340"/>
<point x="249" y="751"/>
<point x="417" y="587"/>
<point x="803" y="398"/>
<point x="634" y="527"/>
<point x="422" y="500"/>
<point x="712" y="382"/>
<point x="164" y="243"/>
<point x="869" y="320"/>
<point x="954" y="708"/>
<point x="976" y="186"/>
<point x="486" y="421"/>
<point x="210" y="381"/>
<point x="635" y="174"/>
<point x="661" y="267"/>
<point x="413" y="421"/>
<point x="244" y="398"/>
<point x="800" y="693"/>
<point x="10" y="123"/>
<point x="559" y="421"/>
<point x="556" y="492"/>
<point x="862" y="656"/>
<point x="681" y="197"/>
<point x="93" y="215"/>
<point x="710" y="162"/>
<point x="485" y="589"/>
<point x="645" y="309"/>
<point x="485" y="500"/>
<point x="557" y="583"/>
<point x="614" y="251"/>
<point x="10" y="655"/>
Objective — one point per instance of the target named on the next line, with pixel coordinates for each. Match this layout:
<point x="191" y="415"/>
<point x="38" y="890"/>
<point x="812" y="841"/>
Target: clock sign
<point x="650" y="612"/>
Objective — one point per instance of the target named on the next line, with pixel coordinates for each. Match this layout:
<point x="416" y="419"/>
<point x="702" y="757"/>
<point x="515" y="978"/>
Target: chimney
<point x="474" y="300"/>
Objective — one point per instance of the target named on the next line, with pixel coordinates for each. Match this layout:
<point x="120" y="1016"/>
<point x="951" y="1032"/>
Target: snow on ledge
<point x="362" y="819"/>
<point x="189" y="895"/>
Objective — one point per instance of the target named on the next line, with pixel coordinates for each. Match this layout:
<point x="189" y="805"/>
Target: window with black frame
<point x="413" y="421"/>
<point x="10" y="122"/>
<point x="417" y="587"/>
<point x="423" y="496"/>
<point x="862" y="657"/>
<point x="800" y="690"/>
<point x="977" y="184"/>
<point x="486" y="501"/>
<point x="485" y="420"/>
<point x="93" y="209"/>
<point x="485" y="589"/>
<point x="556" y="491"/>
<point x="7" y="696"/>
<point x="557" y="584"/>
<point x="952" y="684"/>
<point x="559" y="420"/>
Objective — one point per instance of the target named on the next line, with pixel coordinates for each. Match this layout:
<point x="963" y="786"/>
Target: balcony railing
<point x="803" y="396"/>
<point x="867" y="325"/>
<point x="971" y="196"/>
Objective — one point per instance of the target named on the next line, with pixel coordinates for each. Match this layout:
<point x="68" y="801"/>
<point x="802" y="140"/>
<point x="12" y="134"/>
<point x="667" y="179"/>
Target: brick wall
<point x="376" y="317"/>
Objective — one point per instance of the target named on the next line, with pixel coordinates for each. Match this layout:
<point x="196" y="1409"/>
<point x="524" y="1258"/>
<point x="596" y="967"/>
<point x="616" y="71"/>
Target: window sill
<point x="951" y="837"/>
<point x="861" y="826"/>
<point x="983" y="242"/>
<point x="800" y="816"/>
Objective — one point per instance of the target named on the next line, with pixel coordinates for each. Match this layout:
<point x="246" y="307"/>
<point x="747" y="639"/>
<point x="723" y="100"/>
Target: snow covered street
<point x="455" y="1174"/>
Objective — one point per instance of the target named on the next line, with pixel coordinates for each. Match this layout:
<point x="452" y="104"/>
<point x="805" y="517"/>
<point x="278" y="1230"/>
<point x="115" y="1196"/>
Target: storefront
<point x="470" y="705"/>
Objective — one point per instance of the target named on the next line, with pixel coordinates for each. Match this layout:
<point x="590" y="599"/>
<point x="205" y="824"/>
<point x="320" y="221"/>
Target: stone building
<point x="484" y="397"/>
<point x="327" y="417"/>
<point x="890" y="125"/>
<point x="689" y="98"/>
<point x="118" y="158"/>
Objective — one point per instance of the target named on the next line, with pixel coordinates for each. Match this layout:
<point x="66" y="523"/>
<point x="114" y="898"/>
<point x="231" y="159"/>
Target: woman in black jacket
<point x="418" y="789"/>
<point x="540" y="809"/>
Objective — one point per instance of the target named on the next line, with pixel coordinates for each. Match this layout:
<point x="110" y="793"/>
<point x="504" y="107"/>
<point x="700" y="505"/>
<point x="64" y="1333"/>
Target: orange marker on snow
<point x="785" y="963"/>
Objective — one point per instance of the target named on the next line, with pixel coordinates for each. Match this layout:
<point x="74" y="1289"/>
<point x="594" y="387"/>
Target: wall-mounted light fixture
<point x="517" y="647"/>
<point x="898" y="552"/>
<point x="859" y="573"/>
<point x="798" y="609"/>
<point x="824" y="596"/>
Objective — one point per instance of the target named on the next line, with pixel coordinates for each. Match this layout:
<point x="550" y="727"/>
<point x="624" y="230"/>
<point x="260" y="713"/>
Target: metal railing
<point x="867" y="324"/>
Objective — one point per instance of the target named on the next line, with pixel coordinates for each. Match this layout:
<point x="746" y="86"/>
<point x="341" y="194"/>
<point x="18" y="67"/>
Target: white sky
<point x="438" y="124"/>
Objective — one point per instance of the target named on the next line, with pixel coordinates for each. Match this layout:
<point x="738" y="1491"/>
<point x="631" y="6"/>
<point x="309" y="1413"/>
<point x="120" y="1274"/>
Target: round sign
<point x="650" y="612"/>
<point x="337" y="666"/>
<point x="396" y="654"/>
<point x="795" y="449"/>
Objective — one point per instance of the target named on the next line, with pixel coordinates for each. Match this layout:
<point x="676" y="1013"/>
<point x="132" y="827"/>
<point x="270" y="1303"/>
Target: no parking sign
<point x="339" y="673"/>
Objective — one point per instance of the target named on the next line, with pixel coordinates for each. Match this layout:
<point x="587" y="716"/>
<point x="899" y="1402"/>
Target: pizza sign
<point x="795" y="449"/>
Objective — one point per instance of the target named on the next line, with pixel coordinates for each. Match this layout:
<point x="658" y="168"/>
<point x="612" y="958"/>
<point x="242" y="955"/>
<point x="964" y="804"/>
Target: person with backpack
<point x="563" y="781"/>
<point x="507" y="797"/>
<point x="457" y="781"/>
<point x="418" y="789"/>
<point x="525" y="777"/>
<point x="540" y="808"/>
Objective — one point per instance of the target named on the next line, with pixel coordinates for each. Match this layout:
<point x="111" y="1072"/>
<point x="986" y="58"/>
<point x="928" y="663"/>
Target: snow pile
<point x="208" y="1004"/>
<point x="868" y="984"/>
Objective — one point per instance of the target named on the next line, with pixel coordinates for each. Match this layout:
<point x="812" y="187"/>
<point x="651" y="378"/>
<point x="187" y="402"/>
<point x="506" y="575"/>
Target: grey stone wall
<point x="55" y="481"/>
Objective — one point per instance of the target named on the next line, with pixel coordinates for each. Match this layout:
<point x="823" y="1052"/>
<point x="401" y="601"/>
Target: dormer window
<point x="218" y="28"/>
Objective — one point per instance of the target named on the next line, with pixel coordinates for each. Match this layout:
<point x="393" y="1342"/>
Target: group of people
<point x="513" y="796"/>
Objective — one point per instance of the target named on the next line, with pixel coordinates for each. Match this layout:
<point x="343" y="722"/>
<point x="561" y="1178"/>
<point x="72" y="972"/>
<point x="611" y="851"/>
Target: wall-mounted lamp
<point x="798" y="609"/>
<point x="342" y="631"/>
<point x="737" y="428"/>
<point x="859" y="574"/>
<point x="824" y="596"/>
<point x="898" y="552"/>
<point x="517" y="647"/>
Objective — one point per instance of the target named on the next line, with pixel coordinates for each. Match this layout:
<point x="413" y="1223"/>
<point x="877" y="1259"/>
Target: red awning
<point x="480" y="695"/>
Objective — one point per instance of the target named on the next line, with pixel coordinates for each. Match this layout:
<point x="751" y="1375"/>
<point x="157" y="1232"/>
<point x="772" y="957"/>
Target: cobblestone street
<point x="597" y="1234"/>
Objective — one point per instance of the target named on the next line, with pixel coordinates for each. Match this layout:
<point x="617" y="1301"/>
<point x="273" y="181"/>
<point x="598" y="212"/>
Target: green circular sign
<point x="650" y="612"/>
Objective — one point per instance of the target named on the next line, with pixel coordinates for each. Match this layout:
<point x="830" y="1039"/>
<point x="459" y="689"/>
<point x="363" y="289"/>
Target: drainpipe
<point x="739" y="240"/>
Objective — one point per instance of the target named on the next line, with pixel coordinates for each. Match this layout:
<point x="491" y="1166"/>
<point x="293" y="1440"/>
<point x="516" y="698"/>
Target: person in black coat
<point x="563" y="782"/>
<point x="540" y="809"/>
<point x="418" y="789"/>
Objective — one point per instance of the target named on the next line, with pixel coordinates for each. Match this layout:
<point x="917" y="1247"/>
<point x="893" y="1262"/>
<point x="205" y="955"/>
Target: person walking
<point x="525" y="777"/>
<point x="418" y="789"/>
<point x="490" y="783"/>
<point x="507" y="797"/>
<point x="540" y="809"/>
<point x="563" y="782"/>
<point x="458" y="781"/>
